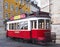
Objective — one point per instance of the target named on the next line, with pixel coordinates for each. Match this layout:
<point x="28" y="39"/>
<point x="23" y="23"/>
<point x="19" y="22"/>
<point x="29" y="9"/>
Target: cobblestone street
<point x="7" y="42"/>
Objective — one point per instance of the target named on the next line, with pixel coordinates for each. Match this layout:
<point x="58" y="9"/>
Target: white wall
<point x="45" y="9"/>
<point x="55" y="11"/>
<point x="56" y="28"/>
<point x="44" y="5"/>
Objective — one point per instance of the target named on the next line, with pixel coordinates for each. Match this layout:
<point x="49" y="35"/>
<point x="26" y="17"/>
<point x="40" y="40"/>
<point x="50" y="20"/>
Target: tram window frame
<point x="17" y="26"/>
<point x="48" y="24"/>
<point x="33" y="24"/>
<point x="41" y="24"/>
<point x="10" y="26"/>
<point x="14" y="26"/>
<point x="23" y="25"/>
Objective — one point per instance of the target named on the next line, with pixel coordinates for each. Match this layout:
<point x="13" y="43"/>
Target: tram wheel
<point x="53" y="41"/>
<point x="33" y="41"/>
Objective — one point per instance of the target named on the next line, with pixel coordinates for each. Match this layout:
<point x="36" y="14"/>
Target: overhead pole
<point x="50" y="8"/>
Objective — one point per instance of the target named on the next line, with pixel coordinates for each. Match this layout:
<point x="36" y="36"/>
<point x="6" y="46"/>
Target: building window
<point x="16" y="9"/>
<point x="28" y="5"/>
<point x="6" y="16"/>
<point x="27" y="1"/>
<point x="16" y="0"/>
<point x="26" y="12"/>
<point x="11" y="7"/>
<point x="11" y="14"/>
<point x="6" y="5"/>
<point x="22" y="2"/>
<point x="21" y="11"/>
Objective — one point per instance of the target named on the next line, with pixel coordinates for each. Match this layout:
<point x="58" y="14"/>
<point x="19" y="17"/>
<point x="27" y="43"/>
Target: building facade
<point x="1" y="17"/>
<point x="15" y="7"/>
<point x="53" y="7"/>
<point x="55" y="12"/>
<point x="44" y="5"/>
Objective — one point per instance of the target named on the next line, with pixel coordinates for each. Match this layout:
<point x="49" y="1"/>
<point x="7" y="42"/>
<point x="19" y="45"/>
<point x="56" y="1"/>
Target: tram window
<point x="23" y="25"/>
<point x="17" y="26"/>
<point x="41" y="24"/>
<point x="47" y="24"/>
<point x="10" y="26"/>
<point x="34" y="24"/>
<point x="14" y="26"/>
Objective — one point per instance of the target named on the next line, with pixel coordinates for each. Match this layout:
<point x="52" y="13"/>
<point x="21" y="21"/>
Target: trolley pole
<point x="50" y="8"/>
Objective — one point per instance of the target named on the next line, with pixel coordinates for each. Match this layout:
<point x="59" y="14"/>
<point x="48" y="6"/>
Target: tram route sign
<point x="18" y="17"/>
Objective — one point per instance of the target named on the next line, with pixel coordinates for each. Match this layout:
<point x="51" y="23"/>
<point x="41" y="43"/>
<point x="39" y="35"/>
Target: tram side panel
<point x="40" y="35"/>
<point x="18" y="34"/>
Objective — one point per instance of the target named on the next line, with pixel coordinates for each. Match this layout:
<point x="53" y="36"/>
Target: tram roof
<point x="35" y="15"/>
<point x="41" y="14"/>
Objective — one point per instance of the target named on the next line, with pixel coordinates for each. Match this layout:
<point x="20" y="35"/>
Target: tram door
<point x="33" y="27"/>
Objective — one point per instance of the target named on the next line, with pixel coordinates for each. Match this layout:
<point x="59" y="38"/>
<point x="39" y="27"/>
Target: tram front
<point x="41" y="30"/>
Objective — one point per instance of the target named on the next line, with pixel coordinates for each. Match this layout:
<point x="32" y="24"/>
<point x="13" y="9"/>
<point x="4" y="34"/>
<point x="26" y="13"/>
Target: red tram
<point x="34" y="28"/>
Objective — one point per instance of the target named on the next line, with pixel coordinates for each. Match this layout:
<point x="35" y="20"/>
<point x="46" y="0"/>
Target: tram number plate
<point x="16" y="31"/>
